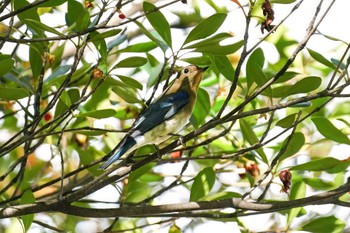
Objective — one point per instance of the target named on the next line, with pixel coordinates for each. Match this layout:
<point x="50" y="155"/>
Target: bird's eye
<point x="186" y="70"/>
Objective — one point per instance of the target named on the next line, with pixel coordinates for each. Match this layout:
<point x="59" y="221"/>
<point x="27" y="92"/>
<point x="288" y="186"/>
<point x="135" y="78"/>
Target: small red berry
<point x="47" y="117"/>
<point x="122" y="16"/>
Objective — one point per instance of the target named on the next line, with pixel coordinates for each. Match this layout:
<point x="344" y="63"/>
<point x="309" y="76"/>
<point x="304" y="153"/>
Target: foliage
<point x="70" y="88"/>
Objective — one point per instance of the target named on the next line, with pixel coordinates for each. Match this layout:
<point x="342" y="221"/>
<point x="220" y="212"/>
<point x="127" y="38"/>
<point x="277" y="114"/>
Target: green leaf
<point x="52" y="3"/>
<point x="202" y="184"/>
<point x="328" y="164"/>
<point x="304" y="85"/>
<point x="158" y="22"/>
<point x="137" y="191"/>
<point x="130" y="82"/>
<point x="329" y="224"/>
<point x="257" y="74"/>
<point x="286" y="77"/>
<point x="223" y="195"/>
<point x="42" y="27"/>
<point x="206" y="28"/>
<point x="223" y="65"/>
<point x="126" y="95"/>
<point x="9" y="93"/>
<point x="77" y="14"/>
<point x="103" y="35"/>
<point x="136" y="174"/>
<point x="295" y="144"/>
<point x="287" y="121"/>
<point x="250" y="137"/>
<point x="318" y="183"/>
<point x="30" y="13"/>
<point x="6" y="64"/>
<point x="321" y="59"/>
<point x="201" y="109"/>
<point x="174" y="229"/>
<point x="27" y="198"/>
<point x="161" y="44"/>
<point x="63" y="103"/>
<point x="98" y="114"/>
<point x="36" y="52"/>
<point x="282" y="1"/>
<point x="101" y="47"/>
<point x="139" y="48"/>
<point x="256" y="60"/>
<point x="217" y="49"/>
<point x="131" y="62"/>
<point x="214" y="40"/>
<point x="328" y="130"/>
<point x="298" y="190"/>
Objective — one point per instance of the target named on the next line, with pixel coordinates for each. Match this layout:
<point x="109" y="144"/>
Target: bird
<point x="164" y="117"/>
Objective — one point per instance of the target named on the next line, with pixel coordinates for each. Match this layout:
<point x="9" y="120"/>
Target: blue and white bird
<point x="167" y="115"/>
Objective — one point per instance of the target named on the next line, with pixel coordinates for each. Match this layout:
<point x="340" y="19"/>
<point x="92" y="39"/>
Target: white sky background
<point x="335" y="24"/>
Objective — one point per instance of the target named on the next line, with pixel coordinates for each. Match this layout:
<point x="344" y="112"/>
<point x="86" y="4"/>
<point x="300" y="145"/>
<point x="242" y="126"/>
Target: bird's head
<point x="190" y="77"/>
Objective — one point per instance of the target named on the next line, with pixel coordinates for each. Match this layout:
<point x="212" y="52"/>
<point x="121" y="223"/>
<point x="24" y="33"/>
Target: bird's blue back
<point x="162" y="109"/>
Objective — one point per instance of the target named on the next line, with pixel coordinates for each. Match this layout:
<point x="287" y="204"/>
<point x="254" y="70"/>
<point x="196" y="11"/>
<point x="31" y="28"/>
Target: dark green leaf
<point x="63" y="103"/>
<point x="223" y="195"/>
<point x="282" y="1"/>
<point x="256" y="60"/>
<point x="131" y="62"/>
<point x="42" y="27"/>
<point x="6" y="64"/>
<point x="304" y="85"/>
<point x="318" y="184"/>
<point x="327" y="164"/>
<point x="255" y="73"/>
<point x="250" y="137"/>
<point x="101" y="47"/>
<point x="286" y="77"/>
<point x="52" y="3"/>
<point x="324" y="224"/>
<point x="13" y="93"/>
<point x="98" y="114"/>
<point x="104" y="35"/>
<point x="140" y="47"/>
<point x="214" y="40"/>
<point x="287" y="121"/>
<point x="30" y="13"/>
<point x="298" y="190"/>
<point x="137" y="191"/>
<point x="295" y="144"/>
<point x="223" y="65"/>
<point x="328" y="130"/>
<point x="161" y="44"/>
<point x="130" y="82"/>
<point x="36" y="52"/>
<point x="76" y="14"/>
<point x="321" y="59"/>
<point x="206" y="28"/>
<point x="126" y="95"/>
<point x="203" y="183"/>
<point x="27" y="198"/>
<point x="158" y="21"/>
<point x="217" y="49"/>
<point x="201" y="109"/>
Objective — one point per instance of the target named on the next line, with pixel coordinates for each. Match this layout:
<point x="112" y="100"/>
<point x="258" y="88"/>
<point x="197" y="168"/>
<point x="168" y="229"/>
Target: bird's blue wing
<point x="159" y="111"/>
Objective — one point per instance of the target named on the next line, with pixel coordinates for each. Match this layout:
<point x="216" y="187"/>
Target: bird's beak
<point x="202" y="69"/>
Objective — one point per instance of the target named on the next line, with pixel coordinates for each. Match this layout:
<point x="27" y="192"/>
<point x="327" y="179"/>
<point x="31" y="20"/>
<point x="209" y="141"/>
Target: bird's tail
<point x="129" y="142"/>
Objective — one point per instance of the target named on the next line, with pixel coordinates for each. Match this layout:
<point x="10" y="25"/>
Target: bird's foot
<point x="181" y="139"/>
